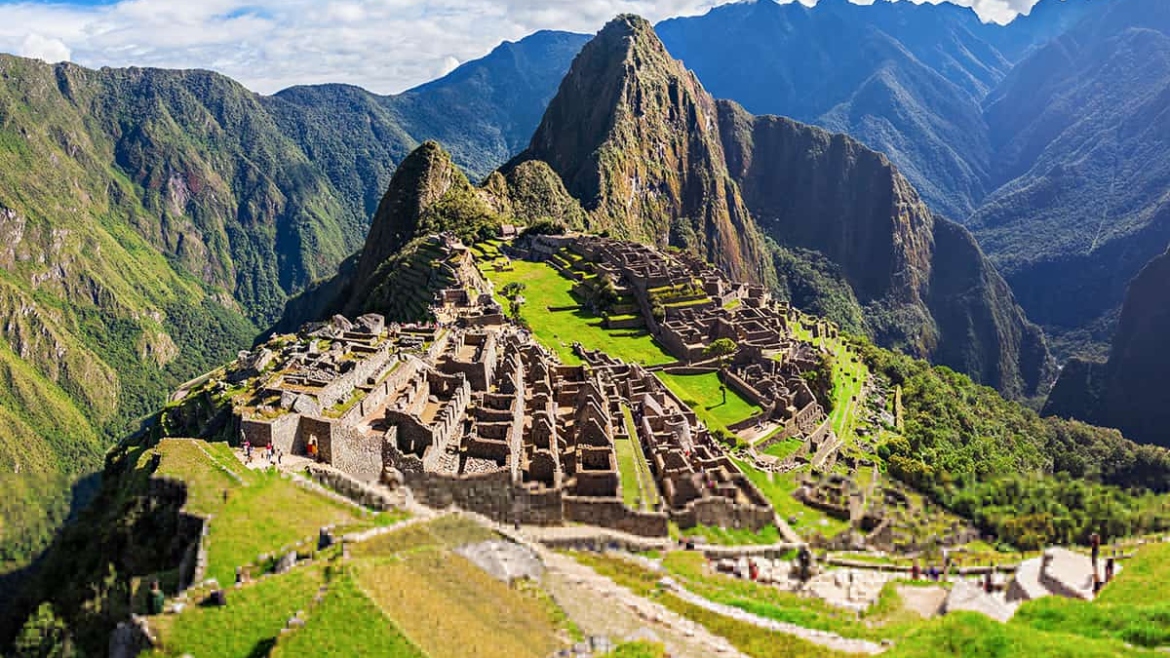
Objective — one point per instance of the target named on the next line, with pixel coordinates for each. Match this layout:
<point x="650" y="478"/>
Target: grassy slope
<point x="960" y="634"/>
<point x="263" y="515"/>
<point x="247" y="626"/>
<point x="331" y="626"/>
<point x="446" y="605"/>
<point x="558" y="330"/>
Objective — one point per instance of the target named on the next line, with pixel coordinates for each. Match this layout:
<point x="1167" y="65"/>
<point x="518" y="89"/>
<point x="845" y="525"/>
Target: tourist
<point x="1095" y="544"/>
<point x="915" y="571"/>
<point x="156" y="600"/>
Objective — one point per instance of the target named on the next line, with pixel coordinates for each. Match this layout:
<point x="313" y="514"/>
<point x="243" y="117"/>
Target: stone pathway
<point x="601" y="607"/>
<point x="822" y="638"/>
<point x="926" y="601"/>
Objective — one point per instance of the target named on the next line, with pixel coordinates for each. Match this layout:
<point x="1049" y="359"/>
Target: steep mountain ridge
<point x="923" y="283"/>
<point x="634" y="137"/>
<point x="153" y="220"/>
<point x="652" y="157"/>
<point x="1127" y="391"/>
<point x="1081" y="139"/>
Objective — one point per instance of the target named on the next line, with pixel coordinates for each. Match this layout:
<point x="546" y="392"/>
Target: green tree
<point x="604" y="295"/>
<point x="44" y="635"/>
<point x="512" y="290"/>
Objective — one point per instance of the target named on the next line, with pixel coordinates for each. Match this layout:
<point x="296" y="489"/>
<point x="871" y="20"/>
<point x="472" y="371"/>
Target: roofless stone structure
<point x="471" y="411"/>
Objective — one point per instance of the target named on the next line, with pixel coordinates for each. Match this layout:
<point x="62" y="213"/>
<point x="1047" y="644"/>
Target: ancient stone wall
<point x="381" y="392"/>
<point x="281" y="431"/>
<point x="356" y="453"/>
<point x="611" y="513"/>
<point x="721" y="512"/>
<point x="343" y="386"/>
<point x="356" y="490"/>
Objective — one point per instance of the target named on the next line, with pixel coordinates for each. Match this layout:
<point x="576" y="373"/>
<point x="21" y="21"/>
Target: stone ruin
<point x="471" y="411"/>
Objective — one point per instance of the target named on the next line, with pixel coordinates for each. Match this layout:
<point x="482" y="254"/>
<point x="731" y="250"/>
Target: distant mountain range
<point x="155" y="221"/>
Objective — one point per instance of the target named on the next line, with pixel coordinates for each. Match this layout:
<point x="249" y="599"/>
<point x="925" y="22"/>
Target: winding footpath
<point x="822" y="638"/>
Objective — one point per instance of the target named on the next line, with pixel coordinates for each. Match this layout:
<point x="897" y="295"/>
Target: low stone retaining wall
<point x="352" y="488"/>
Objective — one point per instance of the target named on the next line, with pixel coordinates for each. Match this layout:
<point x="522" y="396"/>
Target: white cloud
<point x="39" y="47"/>
<point x="383" y="45"/>
<point x="449" y="64"/>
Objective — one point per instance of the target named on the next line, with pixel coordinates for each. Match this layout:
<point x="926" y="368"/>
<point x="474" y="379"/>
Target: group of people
<point x="274" y="456"/>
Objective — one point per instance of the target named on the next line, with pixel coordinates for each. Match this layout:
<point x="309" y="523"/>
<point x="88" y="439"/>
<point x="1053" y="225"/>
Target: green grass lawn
<point x="345" y="624"/>
<point x="778" y="488"/>
<point x="1145" y="577"/>
<point x="637" y="481"/>
<point x="848" y="378"/>
<point x="784" y="449"/>
<point x="247" y="626"/>
<point x="1141" y="622"/>
<point x="263" y="515"/>
<point x="703" y="394"/>
<point x="729" y="536"/>
<point x="545" y="288"/>
<point x="971" y="635"/>
<point x="631" y="484"/>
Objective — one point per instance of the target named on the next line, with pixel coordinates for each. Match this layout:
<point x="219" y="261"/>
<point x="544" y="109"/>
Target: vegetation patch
<point x="705" y="394"/>
<point x="346" y="623"/>
<point x="247" y="626"/>
<point x="449" y="607"/>
<point x="546" y="289"/>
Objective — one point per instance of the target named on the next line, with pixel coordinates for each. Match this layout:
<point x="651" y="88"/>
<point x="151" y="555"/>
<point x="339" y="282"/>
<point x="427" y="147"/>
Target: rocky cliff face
<point x="635" y="138"/>
<point x="923" y="283"/>
<point x="1127" y="392"/>
<point x="428" y="194"/>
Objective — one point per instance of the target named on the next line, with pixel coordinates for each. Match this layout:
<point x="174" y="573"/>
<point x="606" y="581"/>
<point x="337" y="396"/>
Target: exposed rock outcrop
<point x="1127" y="392"/>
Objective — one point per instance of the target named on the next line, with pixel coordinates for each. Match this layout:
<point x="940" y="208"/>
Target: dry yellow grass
<point x="449" y="607"/>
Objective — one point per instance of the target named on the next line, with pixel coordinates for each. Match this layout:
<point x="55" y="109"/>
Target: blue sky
<point x="383" y="45"/>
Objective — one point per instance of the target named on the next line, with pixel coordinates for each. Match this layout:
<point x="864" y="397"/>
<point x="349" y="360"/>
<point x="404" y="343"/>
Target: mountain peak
<point x="634" y="137"/>
<point x="423" y="177"/>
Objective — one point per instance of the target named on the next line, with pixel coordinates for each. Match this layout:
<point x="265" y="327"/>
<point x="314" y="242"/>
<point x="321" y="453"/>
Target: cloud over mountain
<point x="383" y="45"/>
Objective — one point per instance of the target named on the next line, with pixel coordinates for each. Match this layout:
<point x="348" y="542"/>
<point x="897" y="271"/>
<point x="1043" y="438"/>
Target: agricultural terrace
<point x="1045" y="627"/>
<point x="406" y="593"/>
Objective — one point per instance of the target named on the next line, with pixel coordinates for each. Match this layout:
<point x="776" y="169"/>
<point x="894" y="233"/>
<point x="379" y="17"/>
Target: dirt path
<point x="601" y="607"/>
<point x="926" y="601"/>
<point x="825" y="639"/>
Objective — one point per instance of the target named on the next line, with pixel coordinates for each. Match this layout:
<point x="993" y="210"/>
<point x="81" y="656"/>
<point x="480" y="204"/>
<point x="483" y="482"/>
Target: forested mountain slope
<point x="155" y="221"/>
